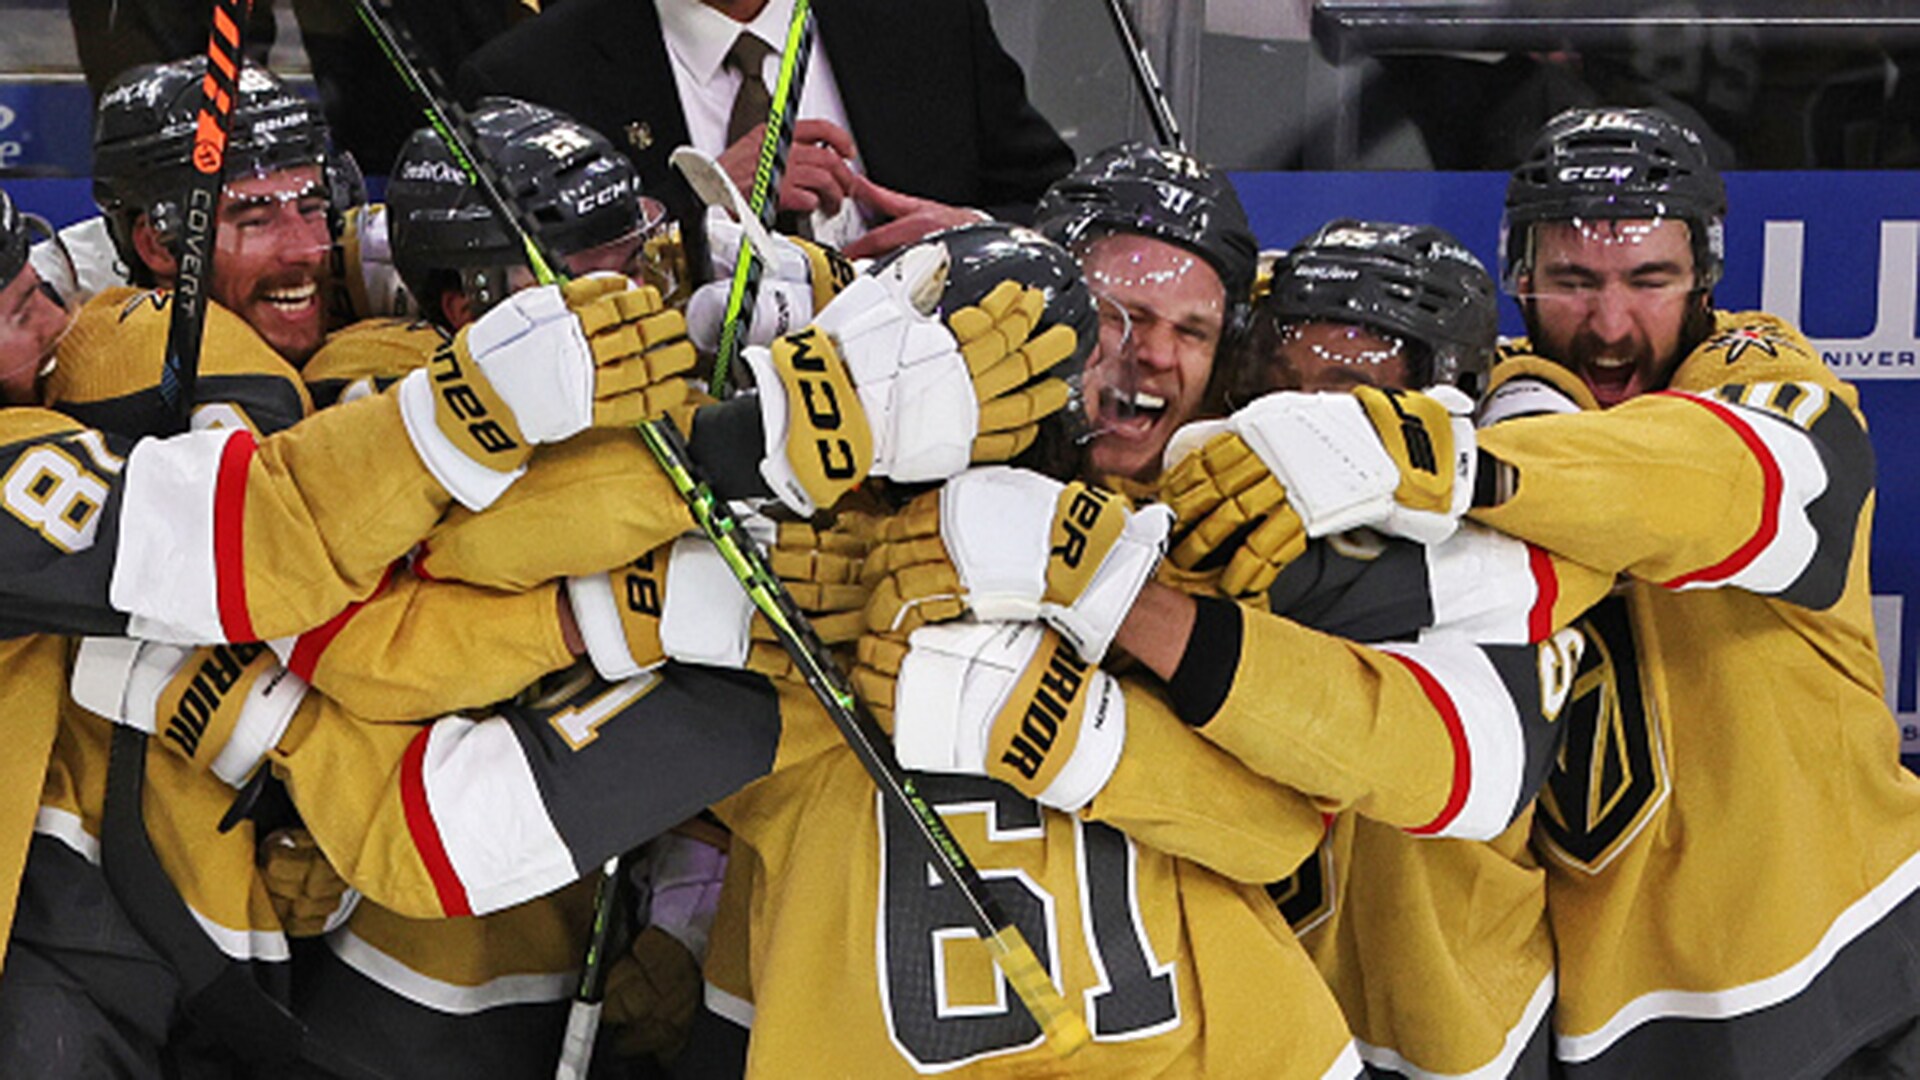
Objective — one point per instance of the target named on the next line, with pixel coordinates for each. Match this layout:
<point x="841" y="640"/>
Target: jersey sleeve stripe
<point x="1546" y="594"/>
<point x="1456" y="734"/>
<point x="1774" y="486"/>
<point x="229" y="541"/>
<point x="425" y="833"/>
<point x="310" y="646"/>
<point x="164" y="569"/>
<point x="1482" y="709"/>
<point x="490" y="815"/>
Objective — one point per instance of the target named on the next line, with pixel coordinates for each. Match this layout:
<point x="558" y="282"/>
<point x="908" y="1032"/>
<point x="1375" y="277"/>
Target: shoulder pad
<point x="1748" y="347"/>
<point x="374" y="348"/>
<point x="24" y="423"/>
<point x="1516" y="368"/>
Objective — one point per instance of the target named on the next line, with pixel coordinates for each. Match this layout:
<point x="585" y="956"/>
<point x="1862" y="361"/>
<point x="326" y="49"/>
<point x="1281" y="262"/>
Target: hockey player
<point x="1390" y="280"/>
<point x="32" y="315"/>
<point x="1165" y="246"/>
<point x="1736" y="678"/>
<point x="1713" y="460"/>
<point x="1437" y="949"/>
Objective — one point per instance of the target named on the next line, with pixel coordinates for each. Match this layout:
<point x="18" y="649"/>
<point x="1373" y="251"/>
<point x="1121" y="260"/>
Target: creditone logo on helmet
<point x="1350" y="237"/>
<point x="433" y="172"/>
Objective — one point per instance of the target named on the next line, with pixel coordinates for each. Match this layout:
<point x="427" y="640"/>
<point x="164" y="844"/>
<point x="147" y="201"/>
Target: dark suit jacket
<point x="938" y="108"/>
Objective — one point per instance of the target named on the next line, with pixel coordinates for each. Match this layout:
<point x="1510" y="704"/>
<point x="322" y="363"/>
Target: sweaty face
<point x="31" y="323"/>
<point x="1610" y="300"/>
<point x="1161" y="313"/>
<point x="272" y="245"/>
<point x="1318" y="357"/>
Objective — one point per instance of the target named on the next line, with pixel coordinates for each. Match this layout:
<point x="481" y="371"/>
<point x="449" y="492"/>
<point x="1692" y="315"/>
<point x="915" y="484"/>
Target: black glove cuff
<point x="1205" y="676"/>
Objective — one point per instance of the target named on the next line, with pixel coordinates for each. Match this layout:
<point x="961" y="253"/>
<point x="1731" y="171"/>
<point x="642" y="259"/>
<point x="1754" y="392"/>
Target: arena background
<point x="1271" y="87"/>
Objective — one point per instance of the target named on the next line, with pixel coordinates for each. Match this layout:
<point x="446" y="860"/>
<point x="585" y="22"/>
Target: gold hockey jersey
<point x="1181" y="971"/>
<point x="1729" y="836"/>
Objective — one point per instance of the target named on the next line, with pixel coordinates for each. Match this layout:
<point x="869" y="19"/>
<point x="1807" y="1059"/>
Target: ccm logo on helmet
<point x="822" y="405"/>
<point x="1577" y="173"/>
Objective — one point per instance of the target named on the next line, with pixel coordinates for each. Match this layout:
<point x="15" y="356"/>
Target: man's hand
<point x="1009" y="544"/>
<point x="817" y="177"/>
<point x="911" y="219"/>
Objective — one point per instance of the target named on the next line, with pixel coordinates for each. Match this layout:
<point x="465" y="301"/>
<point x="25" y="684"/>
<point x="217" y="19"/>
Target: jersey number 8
<point x="55" y="496"/>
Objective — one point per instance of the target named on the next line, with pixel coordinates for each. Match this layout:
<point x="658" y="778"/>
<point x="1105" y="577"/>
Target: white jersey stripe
<point x="1496" y="746"/>
<point x="491" y="818"/>
<point x="163" y="569"/>
<point x="446" y="997"/>
<point x="1501" y="1066"/>
<point x="1856" y="920"/>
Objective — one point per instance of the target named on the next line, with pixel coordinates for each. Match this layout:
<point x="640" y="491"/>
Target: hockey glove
<point x="1397" y="461"/>
<point x="1010" y="544"/>
<point x="1005" y="700"/>
<point x="308" y="894"/>
<point x="1229" y="506"/>
<point x="653" y="990"/>
<point x="682" y="603"/>
<point x="220" y="707"/>
<point x="876" y="386"/>
<point x="802" y="278"/>
<point x="544" y="365"/>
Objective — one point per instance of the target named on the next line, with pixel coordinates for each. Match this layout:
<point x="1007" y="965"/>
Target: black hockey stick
<point x="1159" y="110"/>
<point x="764" y="199"/>
<point x="219" y="993"/>
<point x="1062" y="1025"/>
<point x="193" y="250"/>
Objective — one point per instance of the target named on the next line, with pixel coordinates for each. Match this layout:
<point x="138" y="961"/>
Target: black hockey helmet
<point x="1612" y="164"/>
<point x="579" y="190"/>
<point x="980" y="257"/>
<point x="143" y="143"/>
<point x="1164" y="194"/>
<point x="1413" y="281"/>
<point x="16" y="239"/>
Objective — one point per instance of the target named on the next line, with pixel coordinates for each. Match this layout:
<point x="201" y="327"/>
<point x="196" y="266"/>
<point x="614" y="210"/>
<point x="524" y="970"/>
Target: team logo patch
<point x="1759" y="338"/>
<point x="1611" y="774"/>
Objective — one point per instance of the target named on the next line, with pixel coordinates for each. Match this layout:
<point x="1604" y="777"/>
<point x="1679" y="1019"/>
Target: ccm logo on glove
<point x="822" y="403"/>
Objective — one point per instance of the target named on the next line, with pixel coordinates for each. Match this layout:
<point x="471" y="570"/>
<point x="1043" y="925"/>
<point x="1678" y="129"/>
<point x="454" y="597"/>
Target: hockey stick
<point x="764" y="200"/>
<point x="583" y="1015"/>
<point x="1159" y="110"/>
<point x="193" y="253"/>
<point x="1062" y="1025"/>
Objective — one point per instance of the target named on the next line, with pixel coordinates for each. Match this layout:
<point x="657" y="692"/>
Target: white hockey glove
<point x="545" y="364"/>
<point x="1006" y="543"/>
<point x="1006" y="700"/>
<point x="876" y="386"/>
<point x="1311" y="465"/>
<point x="801" y="279"/>
<point x="682" y="603"/>
<point x="220" y="707"/>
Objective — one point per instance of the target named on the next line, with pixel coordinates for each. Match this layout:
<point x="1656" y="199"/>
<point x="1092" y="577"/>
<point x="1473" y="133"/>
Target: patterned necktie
<point x="750" y="104"/>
